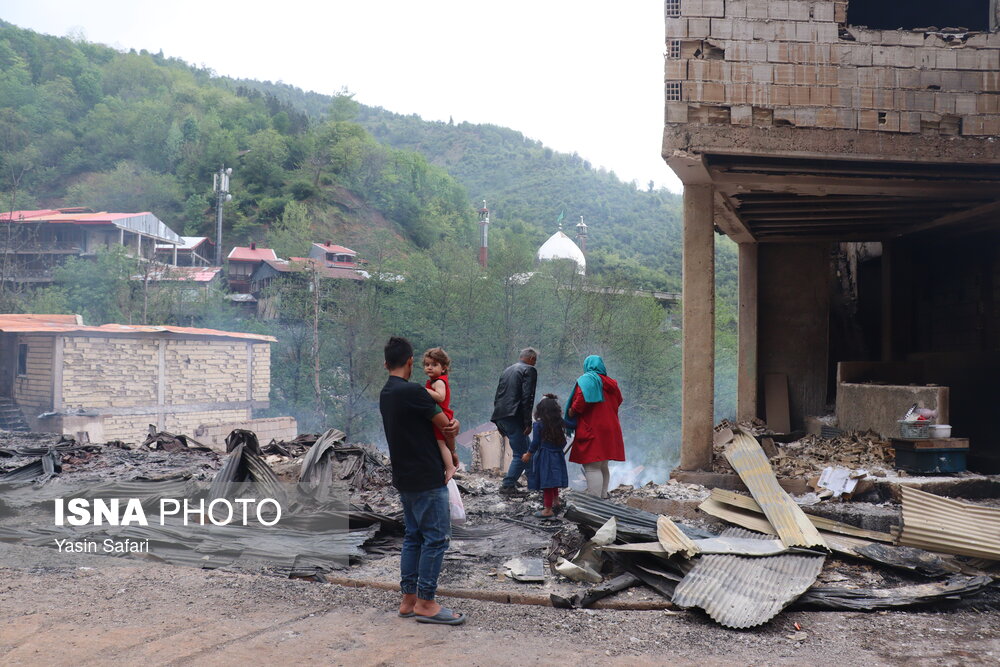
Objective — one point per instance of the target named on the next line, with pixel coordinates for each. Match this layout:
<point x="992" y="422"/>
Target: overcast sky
<point x="577" y="75"/>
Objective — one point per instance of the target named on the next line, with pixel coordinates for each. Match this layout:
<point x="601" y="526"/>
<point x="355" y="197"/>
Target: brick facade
<point x="798" y="63"/>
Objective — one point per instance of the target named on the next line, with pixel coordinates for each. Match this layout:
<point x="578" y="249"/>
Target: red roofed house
<point x="271" y="272"/>
<point x="242" y="263"/>
<point x="41" y="239"/>
<point x="334" y="255"/>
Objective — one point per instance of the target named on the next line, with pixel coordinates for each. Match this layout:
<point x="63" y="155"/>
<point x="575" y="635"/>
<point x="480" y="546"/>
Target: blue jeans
<point x="427" y="518"/>
<point x="513" y="428"/>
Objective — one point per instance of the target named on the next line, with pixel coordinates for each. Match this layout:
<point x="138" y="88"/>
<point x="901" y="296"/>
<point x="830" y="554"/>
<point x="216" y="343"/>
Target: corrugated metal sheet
<point x="950" y="526"/>
<point x="793" y="526"/>
<point x="140" y="223"/>
<point x="740" y="592"/>
<point x="63" y="324"/>
<point x="821" y="523"/>
<point x="672" y="539"/>
<point x="634" y="525"/>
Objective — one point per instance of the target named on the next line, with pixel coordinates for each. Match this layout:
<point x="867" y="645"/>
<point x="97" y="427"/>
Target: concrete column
<point x="698" y="382"/>
<point x="887" y="305"/>
<point x="746" y="374"/>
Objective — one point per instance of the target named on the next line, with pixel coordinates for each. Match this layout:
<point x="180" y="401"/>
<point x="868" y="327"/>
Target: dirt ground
<point x="85" y="612"/>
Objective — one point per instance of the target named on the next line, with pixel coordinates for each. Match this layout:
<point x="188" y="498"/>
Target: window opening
<point x="881" y="15"/>
<point x="673" y="91"/>
<point x="673" y="8"/>
<point x="22" y="359"/>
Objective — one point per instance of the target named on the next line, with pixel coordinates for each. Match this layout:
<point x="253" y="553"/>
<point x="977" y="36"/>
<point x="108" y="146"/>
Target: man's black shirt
<point x="407" y="410"/>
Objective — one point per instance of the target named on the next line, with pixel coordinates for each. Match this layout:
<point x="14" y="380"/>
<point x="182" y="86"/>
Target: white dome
<point x="560" y="246"/>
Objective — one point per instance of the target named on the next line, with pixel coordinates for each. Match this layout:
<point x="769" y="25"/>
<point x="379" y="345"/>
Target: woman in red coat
<point x="594" y="407"/>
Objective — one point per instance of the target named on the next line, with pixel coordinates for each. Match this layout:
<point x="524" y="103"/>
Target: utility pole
<point x="220" y="184"/>
<point x="484" y="225"/>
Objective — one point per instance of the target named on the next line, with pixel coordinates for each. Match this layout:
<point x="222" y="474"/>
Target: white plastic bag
<point x="455" y="503"/>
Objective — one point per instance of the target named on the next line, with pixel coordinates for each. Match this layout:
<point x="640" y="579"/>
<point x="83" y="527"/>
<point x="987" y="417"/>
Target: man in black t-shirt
<point x="408" y="417"/>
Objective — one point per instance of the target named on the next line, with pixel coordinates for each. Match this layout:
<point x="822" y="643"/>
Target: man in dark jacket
<point x="512" y="406"/>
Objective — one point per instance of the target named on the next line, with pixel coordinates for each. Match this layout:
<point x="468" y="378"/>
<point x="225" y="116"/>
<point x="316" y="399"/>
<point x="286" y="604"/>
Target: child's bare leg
<point x="446" y="458"/>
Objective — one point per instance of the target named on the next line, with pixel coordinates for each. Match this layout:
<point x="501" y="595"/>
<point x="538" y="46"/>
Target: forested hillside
<point x="85" y="125"/>
<point x="634" y="228"/>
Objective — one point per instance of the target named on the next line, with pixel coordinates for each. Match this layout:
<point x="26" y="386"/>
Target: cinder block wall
<point x="108" y="375"/>
<point x="787" y="63"/>
<point x="271" y="428"/>
<point x="200" y="371"/>
<point x="104" y="372"/>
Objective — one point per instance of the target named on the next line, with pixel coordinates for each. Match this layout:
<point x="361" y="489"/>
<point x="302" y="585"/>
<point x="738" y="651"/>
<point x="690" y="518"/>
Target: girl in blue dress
<point x="547" y="471"/>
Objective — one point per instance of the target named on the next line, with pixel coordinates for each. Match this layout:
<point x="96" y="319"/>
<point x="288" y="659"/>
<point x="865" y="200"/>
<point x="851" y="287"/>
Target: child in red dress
<point x="436" y="365"/>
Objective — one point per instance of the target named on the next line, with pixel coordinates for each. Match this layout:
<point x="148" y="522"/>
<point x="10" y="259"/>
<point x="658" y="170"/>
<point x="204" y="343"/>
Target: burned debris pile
<point x="774" y="556"/>
<point x="741" y="558"/>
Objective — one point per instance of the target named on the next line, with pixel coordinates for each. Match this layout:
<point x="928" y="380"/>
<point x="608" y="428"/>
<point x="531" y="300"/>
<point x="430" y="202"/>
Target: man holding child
<point x="409" y="416"/>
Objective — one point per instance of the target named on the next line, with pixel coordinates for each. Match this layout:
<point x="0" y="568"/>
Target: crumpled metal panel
<point x="740" y="592"/>
<point x="793" y="526"/>
<point x="950" y="526"/>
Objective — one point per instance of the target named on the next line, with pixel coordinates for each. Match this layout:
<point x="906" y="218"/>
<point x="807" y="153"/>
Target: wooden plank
<point x="776" y="402"/>
<point x="930" y="443"/>
<point x="730" y="222"/>
<point x="954" y="218"/>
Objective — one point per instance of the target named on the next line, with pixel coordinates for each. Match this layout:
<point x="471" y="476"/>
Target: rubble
<point x="598" y="549"/>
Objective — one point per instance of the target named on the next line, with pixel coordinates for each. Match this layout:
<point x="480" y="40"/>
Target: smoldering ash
<point x="130" y="512"/>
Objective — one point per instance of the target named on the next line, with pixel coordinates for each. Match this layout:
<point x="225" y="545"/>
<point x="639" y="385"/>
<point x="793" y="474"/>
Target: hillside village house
<point x="850" y="149"/>
<point x="42" y="239"/>
<point x="242" y="262"/>
<point x="333" y="255"/>
<point x="193" y="251"/>
<point x="115" y="380"/>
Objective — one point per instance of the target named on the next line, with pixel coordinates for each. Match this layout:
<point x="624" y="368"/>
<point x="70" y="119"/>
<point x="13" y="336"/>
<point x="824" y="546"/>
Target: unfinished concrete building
<point x="113" y="381"/>
<point x="851" y="150"/>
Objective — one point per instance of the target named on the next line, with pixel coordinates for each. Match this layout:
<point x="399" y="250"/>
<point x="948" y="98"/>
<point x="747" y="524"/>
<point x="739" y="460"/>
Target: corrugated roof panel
<point x="740" y="592"/>
<point x="950" y="526"/>
<point x="793" y="526"/>
<point x="672" y="539"/>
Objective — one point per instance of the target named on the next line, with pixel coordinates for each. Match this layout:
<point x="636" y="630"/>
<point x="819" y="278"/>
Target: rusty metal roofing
<point x="793" y="526"/>
<point x="949" y="526"/>
<point x="739" y="592"/>
<point x="55" y="324"/>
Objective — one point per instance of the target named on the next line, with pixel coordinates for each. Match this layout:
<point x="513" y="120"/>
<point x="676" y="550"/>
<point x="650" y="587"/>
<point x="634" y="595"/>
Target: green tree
<point x="292" y="235"/>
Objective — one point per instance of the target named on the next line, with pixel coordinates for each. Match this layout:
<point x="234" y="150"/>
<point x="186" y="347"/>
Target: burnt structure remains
<point x="850" y="149"/>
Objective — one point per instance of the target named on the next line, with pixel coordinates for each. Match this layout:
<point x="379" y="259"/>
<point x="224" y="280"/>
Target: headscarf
<point x="591" y="384"/>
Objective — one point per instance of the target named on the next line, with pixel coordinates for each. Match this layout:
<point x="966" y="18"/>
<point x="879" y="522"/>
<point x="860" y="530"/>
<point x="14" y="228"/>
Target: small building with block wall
<point x="851" y="150"/>
<point x="113" y="381"/>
